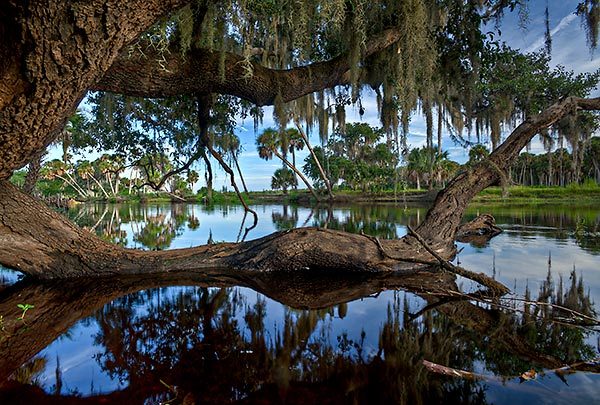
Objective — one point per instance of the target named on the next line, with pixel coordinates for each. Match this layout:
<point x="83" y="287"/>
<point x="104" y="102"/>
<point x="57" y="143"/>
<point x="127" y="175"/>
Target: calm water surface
<point x="312" y="339"/>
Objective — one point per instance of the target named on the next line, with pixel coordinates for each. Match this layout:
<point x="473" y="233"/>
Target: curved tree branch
<point x="150" y="76"/>
<point x="442" y="221"/>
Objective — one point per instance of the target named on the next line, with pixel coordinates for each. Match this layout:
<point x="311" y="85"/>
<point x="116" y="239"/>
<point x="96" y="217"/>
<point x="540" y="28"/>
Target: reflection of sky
<point x="82" y="373"/>
<point x="225" y="222"/>
<point x="524" y="260"/>
<point x="519" y="256"/>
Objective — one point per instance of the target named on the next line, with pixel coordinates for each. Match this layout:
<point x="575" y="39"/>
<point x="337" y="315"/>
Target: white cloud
<point x="540" y="42"/>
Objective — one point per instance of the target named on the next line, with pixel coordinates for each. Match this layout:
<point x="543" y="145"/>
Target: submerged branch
<point x="496" y="287"/>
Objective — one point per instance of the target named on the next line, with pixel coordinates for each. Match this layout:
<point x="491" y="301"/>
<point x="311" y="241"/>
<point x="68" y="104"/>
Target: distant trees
<point x="532" y="170"/>
<point x="283" y="179"/>
<point x="357" y="157"/>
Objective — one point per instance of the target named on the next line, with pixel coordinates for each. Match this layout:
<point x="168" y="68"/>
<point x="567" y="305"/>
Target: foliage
<point x="18" y="178"/>
<point x="559" y="168"/>
<point x="431" y="166"/>
<point x="283" y="179"/>
<point x="24" y="308"/>
<point x="443" y="61"/>
<point x="357" y="157"/>
<point x="515" y="86"/>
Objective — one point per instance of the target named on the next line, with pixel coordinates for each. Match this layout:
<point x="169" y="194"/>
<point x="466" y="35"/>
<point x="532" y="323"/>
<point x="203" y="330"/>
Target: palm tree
<point x="314" y="156"/>
<point x="295" y="143"/>
<point x="58" y="169"/>
<point x="283" y="178"/>
<point x="111" y="165"/>
<point x="268" y="144"/>
<point x="438" y="160"/>
<point x="192" y="177"/>
<point x="477" y="153"/>
<point x="417" y="164"/>
<point x="85" y="170"/>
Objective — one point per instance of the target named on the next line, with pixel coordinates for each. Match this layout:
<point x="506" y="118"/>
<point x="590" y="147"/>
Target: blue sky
<point x="569" y="49"/>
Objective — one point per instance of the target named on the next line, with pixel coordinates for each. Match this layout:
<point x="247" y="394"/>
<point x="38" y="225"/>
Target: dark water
<point x="309" y="339"/>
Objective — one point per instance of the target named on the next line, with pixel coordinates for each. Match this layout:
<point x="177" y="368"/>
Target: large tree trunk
<point x="51" y="52"/>
<point x="41" y="243"/>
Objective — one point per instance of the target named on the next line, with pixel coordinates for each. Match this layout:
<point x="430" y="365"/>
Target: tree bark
<point x="33" y="173"/>
<point x="199" y="72"/>
<point x="52" y="52"/>
<point x="43" y="244"/>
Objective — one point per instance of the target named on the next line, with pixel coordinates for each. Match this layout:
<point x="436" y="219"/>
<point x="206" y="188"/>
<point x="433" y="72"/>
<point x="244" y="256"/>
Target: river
<point x="314" y="339"/>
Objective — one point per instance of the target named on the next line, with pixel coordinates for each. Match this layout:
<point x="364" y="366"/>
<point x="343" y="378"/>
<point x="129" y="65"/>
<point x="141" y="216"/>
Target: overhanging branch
<point x="169" y="74"/>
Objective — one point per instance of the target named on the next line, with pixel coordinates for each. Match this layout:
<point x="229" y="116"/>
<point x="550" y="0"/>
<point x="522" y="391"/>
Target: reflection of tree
<point x="216" y="346"/>
<point x="194" y="340"/>
<point x="286" y="219"/>
<point x="156" y="234"/>
<point x="376" y="220"/>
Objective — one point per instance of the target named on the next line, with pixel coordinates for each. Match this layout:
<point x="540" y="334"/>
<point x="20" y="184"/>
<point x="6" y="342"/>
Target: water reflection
<point x="164" y="226"/>
<point x="561" y="223"/>
<point x="215" y="343"/>
<point x="211" y="338"/>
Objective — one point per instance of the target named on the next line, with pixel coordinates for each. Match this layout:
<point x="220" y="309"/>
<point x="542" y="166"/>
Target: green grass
<point x="587" y="192"/>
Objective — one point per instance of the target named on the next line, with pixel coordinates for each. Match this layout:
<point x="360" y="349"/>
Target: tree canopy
<point x="311" y="58"/>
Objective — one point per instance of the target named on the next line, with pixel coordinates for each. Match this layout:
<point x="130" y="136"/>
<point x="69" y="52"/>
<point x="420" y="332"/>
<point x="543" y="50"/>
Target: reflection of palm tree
<point x="30" y="372"/>
<point x="285" y="220"/>
<point x="160" y="228"/>
<point x="193" y="222"/>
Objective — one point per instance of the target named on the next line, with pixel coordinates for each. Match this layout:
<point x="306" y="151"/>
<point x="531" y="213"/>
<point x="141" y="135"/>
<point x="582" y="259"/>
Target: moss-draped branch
<point x="161" y="75"/>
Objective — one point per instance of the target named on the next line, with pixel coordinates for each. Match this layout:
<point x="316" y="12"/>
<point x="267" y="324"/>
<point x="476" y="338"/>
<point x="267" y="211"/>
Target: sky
<point x="569" y="49"/>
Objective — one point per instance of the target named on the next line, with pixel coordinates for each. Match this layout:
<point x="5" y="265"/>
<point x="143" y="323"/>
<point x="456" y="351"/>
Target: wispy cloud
<point x="539" y="43"/>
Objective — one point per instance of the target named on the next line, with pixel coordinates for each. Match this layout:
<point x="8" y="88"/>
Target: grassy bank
<point x="580" y="193"/>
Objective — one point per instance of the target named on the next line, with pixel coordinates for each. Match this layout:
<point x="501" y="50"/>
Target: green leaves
<point x="24" y="308"/>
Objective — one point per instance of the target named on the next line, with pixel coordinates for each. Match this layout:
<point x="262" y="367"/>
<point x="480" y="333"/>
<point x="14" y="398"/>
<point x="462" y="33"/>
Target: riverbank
<point x="582" y="194"/>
